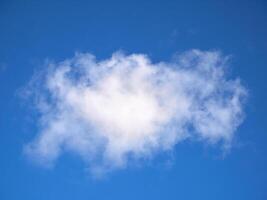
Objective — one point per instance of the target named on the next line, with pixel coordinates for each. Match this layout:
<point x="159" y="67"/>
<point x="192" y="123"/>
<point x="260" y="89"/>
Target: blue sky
<point x="33" y="32"/>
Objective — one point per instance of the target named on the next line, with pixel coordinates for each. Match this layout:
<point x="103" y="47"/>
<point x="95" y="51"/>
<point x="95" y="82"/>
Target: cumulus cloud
<point x="126" y="108"/>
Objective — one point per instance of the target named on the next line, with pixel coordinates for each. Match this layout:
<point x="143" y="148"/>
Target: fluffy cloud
<point x="127" y="108"/>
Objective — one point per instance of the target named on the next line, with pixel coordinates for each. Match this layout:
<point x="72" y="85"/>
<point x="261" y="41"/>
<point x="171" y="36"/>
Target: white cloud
<point x="127" y="107"/>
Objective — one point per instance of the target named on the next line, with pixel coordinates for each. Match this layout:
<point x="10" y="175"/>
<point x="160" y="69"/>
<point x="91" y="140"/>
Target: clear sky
<point x="33" y="32"/>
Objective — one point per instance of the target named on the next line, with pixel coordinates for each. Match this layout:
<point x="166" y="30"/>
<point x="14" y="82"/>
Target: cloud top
<point x="128" y="108"/>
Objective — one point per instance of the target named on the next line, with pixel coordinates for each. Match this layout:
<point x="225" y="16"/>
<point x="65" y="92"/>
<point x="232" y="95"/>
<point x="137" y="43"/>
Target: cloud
<point x="126" y="108"/>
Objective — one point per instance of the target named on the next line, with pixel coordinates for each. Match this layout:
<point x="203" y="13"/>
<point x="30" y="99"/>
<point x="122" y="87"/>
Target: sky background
<point x="33" y="31"/>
